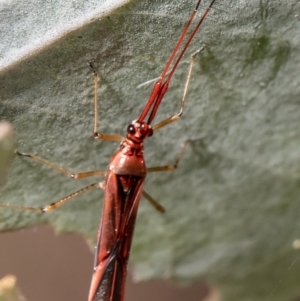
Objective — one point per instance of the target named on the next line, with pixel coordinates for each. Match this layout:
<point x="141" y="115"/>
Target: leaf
<point x="233" y="203"/>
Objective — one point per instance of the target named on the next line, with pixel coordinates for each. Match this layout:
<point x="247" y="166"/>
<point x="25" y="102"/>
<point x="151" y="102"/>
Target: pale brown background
<point x="53" y="267"/>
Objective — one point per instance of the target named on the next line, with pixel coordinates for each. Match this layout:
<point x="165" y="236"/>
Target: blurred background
<point x="59" y="267"/>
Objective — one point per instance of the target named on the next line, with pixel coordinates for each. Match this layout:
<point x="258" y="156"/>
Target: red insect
<point x="124" y="179"/>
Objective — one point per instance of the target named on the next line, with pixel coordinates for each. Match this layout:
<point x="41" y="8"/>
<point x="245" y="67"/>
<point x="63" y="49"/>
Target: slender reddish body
<point x="123" y="188"/>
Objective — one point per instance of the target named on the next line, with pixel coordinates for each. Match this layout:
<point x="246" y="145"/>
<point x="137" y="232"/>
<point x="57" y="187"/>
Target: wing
<point x="121" y="201"/>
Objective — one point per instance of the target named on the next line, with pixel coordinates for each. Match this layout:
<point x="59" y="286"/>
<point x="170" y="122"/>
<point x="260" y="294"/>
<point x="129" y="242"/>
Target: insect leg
<point x="55" y="204"/>
<point x="97" y="135"/>
<point x="169" y="167"/>
<point x="154" y="203"/>
<point x="61" y="170"/>
<point x="177" y="159"/>
<point x="178" y="115"/>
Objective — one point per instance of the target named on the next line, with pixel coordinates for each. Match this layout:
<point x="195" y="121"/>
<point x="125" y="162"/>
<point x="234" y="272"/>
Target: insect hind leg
<point x="54" y="205"/>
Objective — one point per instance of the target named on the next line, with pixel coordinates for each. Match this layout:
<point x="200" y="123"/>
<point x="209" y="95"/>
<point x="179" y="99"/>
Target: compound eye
<point x="131" y="129"/>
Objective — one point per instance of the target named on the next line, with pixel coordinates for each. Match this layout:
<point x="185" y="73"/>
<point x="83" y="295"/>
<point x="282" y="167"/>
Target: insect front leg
<point x="97" y="135"/>
<point x="178" y="115"/>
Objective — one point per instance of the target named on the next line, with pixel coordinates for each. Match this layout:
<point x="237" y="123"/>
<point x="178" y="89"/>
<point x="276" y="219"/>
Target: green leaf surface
<point x="233" y="203"/>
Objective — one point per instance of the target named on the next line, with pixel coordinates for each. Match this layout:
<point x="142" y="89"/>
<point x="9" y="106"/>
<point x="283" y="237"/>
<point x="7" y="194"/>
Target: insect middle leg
<point x="70" y="175"/>
<point x="168" y="167"/>
<point x="173" y="166"/>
